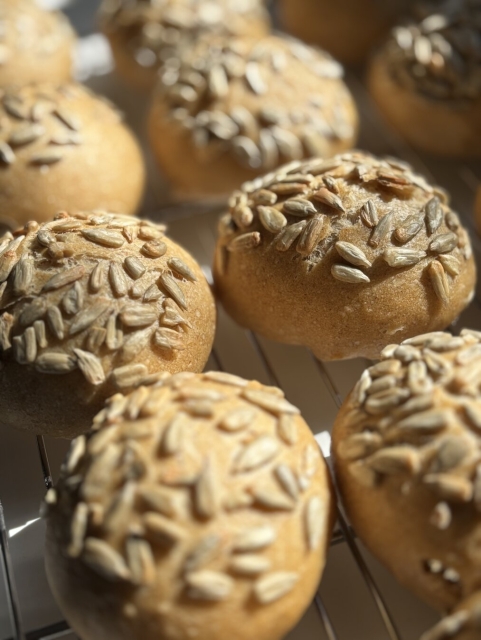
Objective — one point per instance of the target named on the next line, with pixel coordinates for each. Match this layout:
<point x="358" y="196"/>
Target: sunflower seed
<point x="328" y="198"/>
<point x="88" y="316"/>
<point x="288" y="188"/>
<point x="450" y="488"/>
<point x="299" y="207"/>
<point x="134" y="267"/>
<point x="269" y="402"/>
<point x="90" y="366"/>
<point x="129" y="375"/>
<point x="162" y="530"/>
<point x="315" y="519"/>
<point x="369" y="214"/>
<point x="159" y="500"/>
<point x="32" y="312"/>
<point x="352" y="254"/>
<point x="439" y="281"/>
<point x="273" y="586"/>
<point x="205" y="493"/>
<point x="289" y="235"/>
<point x="141" y="561"/>
<point x="225" y="378"/>
<point x="209" y="585"/>
<point x="363" y="474"/>
<point x="64" y="278"/>
<point x="451" y="452"/>
<point x="66" y="118"/>
<point x="7" y="156"/>
<point x="253" y="539"/>
<point x="154" y="249"/>
<point x="394" y="460"/>
<point x="104" y="560"/>
<point x="287" y="428"/>
<point x="359" y="445"/>
<point x="381" y="230"/>
<point x="169" y="339"/>
<point x="409" y="228"/>
<point x="204" y="551"/>
<point x="270" y="498"/>
<point x="271" y="219"/>
<point x="245" y="242"/>
<point x="55" y="321"/>
<point x="138" y="316"/>
<point x="257" y="453"/>
<point x="238" y="419"/>
<point x="26" y="135"/>
<point x="117" y="279"/>
<point x="434" y="215"/>
<point x="173" y="438"/>
<point x="104" y="237"/>
<point x="381" y="402"/>
<point x="55" y="363"/>
<point x="173" y="289"/>
<point x="247" y="152"/>
<point x="473" y="413"/>
<point x="40" y="334"/>
<point x="425" y="422"/>
<point x="315" y="230"/>
<point x="181" y="269"/>
<point x="399" y="258"/>
<point x="254" y="78"/>
<point x="46" y="157"/>
<point x="348" y="274"/>
<point x="45" y="238"/>
<point x="30" y="342"/>
<point x="444" y="243"/>
<point x="19" y="353"/>
<point x="75" y="454"/>
<point x="451" y="265"/>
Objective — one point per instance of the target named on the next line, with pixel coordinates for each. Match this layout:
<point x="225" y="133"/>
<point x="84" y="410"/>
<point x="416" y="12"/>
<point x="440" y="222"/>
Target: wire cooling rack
<point x="357" y="599"/>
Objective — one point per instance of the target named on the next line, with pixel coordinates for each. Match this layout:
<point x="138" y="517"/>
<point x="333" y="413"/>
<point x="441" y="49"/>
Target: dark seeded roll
<point x="198" y="508"/>
<point x="407" y="453"/>
<point x="91" y="304"/>
<point x="343" y="256"/>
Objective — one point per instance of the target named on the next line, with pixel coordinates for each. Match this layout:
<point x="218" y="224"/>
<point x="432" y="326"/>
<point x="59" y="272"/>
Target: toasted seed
<point x="449" y="487"/>
<point x="209" y="585"/>
<point x="238" y="419"/>
<point x="6" y="324"/>
<point x="134" y="267"/>
<point x="273" y="586"/>
<point x="162" y="530"/>
<point x="381" y="230"/>
<point x="19" y="353"/>
<point x="253" y="539"/>
<point x="117" y="279"/>
<point x="257" y="453"/>
<point x="359" y="445"/>
<point x="269" y="401"/>
<point x="254" y="78"/>
<point x="173" y="289"/>
<point x="55" y="321"/>
<point x="243" y="216"/>
<point x="352" y="254"/>
<point x="90" y="366"/>
<point x="315" y="230"/>
<point x="444" y="243"/>
<point x="247" y="152"/>
<point x="88" y="316"/>
<point x="225" y="378"/>
<point x="30" y="342"/>
<point x="179" y="266"/>
<point x="138" y="316"/>
<point x="249" y="565"/>
<point x="369" y="214"/>
<point x="169" y="339"/>
<point x="348" y="274"/>
<point x="129" y="376"/>
<point x="271" y="219"/>
<point x="299" y="207"/>
<point x="120" y="508"/>
<point x="270" y="498"/>
<point x="97" y="277"/>
<point x="45" y="238"/>
<point x="394" y="460"/>
<point x="64" y="278"/>
<point x="451" y="265"/>
<point x="26" y="134"/>
<point x="439" y="281"/>
<point x="104" y="560"/>
<point x="425" y="422"/>
<point x="204" y="551"/>
<point x="141" y="561"/>
<point x="245" y="242"/>
<point x="73" y="300"/>
<point x="328" y="198"/>
<point x="289" y="235"/>
<point x="451" y="452"/>
<point x="206" y="499"/>
<point x="364" y="474"/>
<point x="55" y="363"/>
<point x="315" y="519"/>
<point x="173" y="438"/>
<point x="434" y="215"/>
<point x="76" y="453"/>
<point x="7" y="156"/>
<point x="104" y="237"/>
<point x="381" y="402"/>
<point x="288" y="188"/>
<point x="410" y="227"/>
<point x="46" y="157"/>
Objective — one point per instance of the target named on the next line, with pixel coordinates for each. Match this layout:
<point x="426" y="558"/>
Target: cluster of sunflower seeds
<point x="305" y="205"/>
<point x="196" y="88"/>
<point x="87" y="289"/>
<point x="155" y="30"/>
<point x="417" y="415"/>
<point x="440" y="56"/>
<point x="146" y="476"/>
<point x="40" y="125"/>
<point x="26" y="29"/>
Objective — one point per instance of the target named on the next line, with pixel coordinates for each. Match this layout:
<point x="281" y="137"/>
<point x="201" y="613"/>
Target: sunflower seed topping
<point x="352" y="254"/>
<point x="439" y="281"/>
<point x="254" y="539"/>
<point x="104" y="560"/>
<point x="274" y="586"/>
<point x="400" y="258"/>
<point x="209" y="585"/>
<point x="348" y="274"/>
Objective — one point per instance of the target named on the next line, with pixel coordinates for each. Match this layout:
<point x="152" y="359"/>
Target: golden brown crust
<point x="62" y="147"/>
<point x="36" y="45"/>
<point x="145" y="34"/>
<point x="93" y="303"/>
<point x="407" y="457"/>
<point x="344" y="256"/>
<point x="347" y="28"/>
<point x="428" y="85"/>
<point x="237" y="108"/>
<point x="199" y="507"/>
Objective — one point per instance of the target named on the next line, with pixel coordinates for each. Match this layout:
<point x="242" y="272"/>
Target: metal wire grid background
<point x="357" y="599"/>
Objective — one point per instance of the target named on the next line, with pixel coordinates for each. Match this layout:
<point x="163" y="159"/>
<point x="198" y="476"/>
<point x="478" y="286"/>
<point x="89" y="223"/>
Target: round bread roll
<point x="199" y="508"/>
<point x="407" y="452"/>
<point x="346" y="28"/>
<point x="35" y="45"/>
<point x="90" y="304"/>
<point x="61" y="147"/>
<point x="235" y="109"/>
<point x="145" y="34"/>
<point x="426" y="81"/>
<point x="343" y="256"/>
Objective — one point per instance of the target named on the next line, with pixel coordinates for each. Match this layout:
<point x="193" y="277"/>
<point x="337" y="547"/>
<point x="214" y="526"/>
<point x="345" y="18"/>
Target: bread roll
<point x="198" y="508"/>
<point x="145" y="34"/>
<point x="426" y="80"/>
<point x="35" y="45"/>
<point x="406" y="446"/>
<point x="90" y="304"/>
<point x="343" y="256"/>
<point x="234" y="109"/>
<point x="62" y="147"/>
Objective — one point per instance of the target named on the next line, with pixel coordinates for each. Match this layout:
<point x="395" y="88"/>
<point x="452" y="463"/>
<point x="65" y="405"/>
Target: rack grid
<point x="357" y="599"/>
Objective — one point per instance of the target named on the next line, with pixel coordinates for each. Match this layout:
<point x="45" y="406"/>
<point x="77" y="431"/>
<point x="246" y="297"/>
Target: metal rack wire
<point x="329" y="382"/>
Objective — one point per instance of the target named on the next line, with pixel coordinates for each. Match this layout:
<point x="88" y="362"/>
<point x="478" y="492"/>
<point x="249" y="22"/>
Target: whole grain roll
<point x="343" y="256"/>
<point x="91" y="304"/>
<point x="35" y="45"/>
<point x="198" y="508"/>
<point x="426" y="80"/>
<point x="62" y="147"/>
<point x="348" y="29"/>
<point x="145" y="34"/>
<point x="232" y="109"/>
<point x="407" y="453"/>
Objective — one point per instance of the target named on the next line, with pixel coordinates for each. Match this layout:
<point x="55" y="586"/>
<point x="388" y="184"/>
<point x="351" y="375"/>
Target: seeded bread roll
<point x="35" y="45"/>
<point x="199" y="508"/>
<point x="237" y="108"/>
<point x="346" y="28"/>
<point x="144" y="34"/>
<point x="407" y="452"/>
<point x="343" y="256"/>
<point x="91" y="304"/>
<point x="426" y="81"/>
<point x="61" y="147"/>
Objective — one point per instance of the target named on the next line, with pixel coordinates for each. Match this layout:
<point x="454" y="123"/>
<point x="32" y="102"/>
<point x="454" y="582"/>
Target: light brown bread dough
<point x="407" y="453"/>
<point x="62" y="147"/>
<point x="35" y="46"/>
<point x="426" y="81"/>
<point x="145" y="34"/>
<point x="236" y="108"/>
<point x="200" y="507"/>
<point x="91" y="304"/>
<point x="343" y="256"/>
